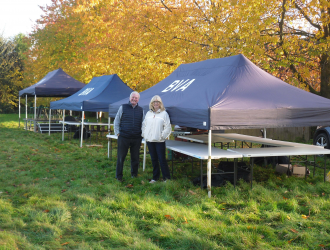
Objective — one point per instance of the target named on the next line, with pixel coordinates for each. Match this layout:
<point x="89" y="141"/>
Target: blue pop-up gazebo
<point x="232" y="93"/>
<point x="95" y="96"/>
<point x="56" y="83"/>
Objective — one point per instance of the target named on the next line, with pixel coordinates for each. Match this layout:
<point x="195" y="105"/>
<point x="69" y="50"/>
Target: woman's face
<point x="156" y="105"/>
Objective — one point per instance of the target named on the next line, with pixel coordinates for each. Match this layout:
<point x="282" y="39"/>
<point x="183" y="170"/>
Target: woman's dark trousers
<point x="158" y="157"/>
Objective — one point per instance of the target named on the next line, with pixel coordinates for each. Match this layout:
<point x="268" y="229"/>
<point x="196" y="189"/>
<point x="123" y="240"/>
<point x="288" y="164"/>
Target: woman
<point x="156" y="127"/>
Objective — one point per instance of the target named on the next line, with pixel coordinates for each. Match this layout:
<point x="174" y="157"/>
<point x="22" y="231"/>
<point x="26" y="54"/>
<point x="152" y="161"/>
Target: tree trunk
<point x="325" y="76"/>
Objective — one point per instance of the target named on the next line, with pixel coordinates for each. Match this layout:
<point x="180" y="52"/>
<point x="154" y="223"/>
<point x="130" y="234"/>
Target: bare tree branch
<point x="203" y="45"/>
<point x="166" y="6"/>
<point x="292" y="67"/>
<point x="302" y="80"/>
<point x="306" y="17"/>
<point x="273" y="58"/>
<point x="206" y="18"/>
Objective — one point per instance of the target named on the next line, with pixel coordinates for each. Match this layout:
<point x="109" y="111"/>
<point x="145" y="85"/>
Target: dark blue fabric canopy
<point x="96" y="95"/>
<point x="56" y="83"/>
<point x="232" y="93"/>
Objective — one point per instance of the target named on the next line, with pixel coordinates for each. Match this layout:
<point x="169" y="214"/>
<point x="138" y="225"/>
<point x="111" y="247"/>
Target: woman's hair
<point x="156" y="98"/>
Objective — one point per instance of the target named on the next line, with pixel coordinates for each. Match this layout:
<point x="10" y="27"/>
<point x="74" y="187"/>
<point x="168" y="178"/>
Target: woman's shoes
<point x="152" y="181"/>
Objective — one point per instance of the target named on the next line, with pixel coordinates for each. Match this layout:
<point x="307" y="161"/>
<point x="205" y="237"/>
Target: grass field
<point x="56" y="195"/>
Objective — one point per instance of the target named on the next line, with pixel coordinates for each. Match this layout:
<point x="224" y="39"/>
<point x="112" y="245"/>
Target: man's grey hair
<point x="134" y="92"/>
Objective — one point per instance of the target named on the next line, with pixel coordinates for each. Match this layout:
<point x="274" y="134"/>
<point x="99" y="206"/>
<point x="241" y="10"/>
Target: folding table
<point x="78" y="123"/>
<point x="200" y="151"/>
<point x="110" y="137"/>
<point x="260" y="140"/>
<point x="281" y="151"/>
<point x="69" y="123"/>
<point x="203" y="138"/>
<point x="100" y="124"/>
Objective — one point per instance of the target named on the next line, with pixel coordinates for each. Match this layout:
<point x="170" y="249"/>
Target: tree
<point x="288" y="38"/>
<point x="302" y="46"/>
<point x="11" y="70"/>
<point x="88" y="39"/>
<point x="144" y="41"/>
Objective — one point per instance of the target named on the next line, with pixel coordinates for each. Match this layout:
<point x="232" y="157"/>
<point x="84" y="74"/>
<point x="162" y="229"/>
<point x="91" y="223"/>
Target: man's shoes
<point x="152" y="181"/>
<point x="120" y="180"/>
<point x="133" y="176"/>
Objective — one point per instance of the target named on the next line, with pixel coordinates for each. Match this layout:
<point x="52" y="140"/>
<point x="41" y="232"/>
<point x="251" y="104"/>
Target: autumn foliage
<point x="144" y="41"/>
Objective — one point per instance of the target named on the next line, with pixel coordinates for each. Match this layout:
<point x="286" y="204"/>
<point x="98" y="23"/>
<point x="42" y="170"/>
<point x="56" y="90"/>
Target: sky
<point x="19" y="16"/>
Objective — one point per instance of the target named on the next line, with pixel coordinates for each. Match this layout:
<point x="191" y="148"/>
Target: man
<point x="127" y="126"/>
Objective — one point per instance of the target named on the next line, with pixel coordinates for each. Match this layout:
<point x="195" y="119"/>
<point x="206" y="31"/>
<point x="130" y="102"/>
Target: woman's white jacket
<point x="156" y="126"/>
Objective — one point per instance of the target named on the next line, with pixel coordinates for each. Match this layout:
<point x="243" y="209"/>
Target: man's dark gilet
<point x="131" y="121"/>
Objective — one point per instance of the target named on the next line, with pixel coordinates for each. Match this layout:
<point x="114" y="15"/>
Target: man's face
<point x="134" y="99"/>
